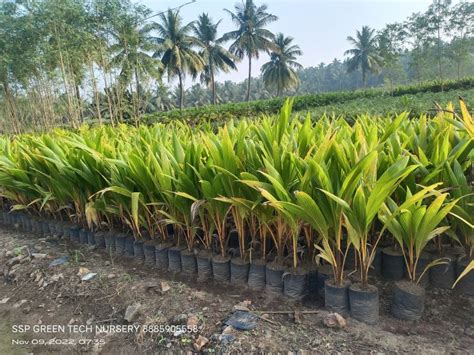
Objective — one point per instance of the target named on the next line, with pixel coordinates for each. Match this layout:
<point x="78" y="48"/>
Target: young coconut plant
<point x="445" y="150"/>
<point x="462" y="220"/>
<point x="278" y="193"/>
<point x="459" y="175"/>
<point x="330" y="185"/>
<point x="250" y="212"/>
<point x="231" y="162"/>
<point x="179" y="168"/>
<point x="318" y="208"/>
<point x="413" y="224"/>
<point x="17" y="186"/>
<point x="276" y="181"/>
<point x="359" y="212"/>
<point x="214" y="183"/>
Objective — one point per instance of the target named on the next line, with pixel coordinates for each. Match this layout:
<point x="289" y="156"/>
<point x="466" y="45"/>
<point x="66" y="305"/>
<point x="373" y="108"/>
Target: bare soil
<point x="31" y="293"/>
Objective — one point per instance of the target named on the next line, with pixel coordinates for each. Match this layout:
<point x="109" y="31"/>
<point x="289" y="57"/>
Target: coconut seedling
<point x="179" y="183"/>
<point x="134" y="168"/>
<point x="17" y="182"/>
<point x="443" y="147"/>
<point x="327" y="186"/>
<point x="460" y="174"/>
<point x="361" y="195"/>
<point x="131" y="199"/>
<point x="276" y="181"/>
<point x="51" y="160"/>
<point x="87" y="166"/>
<point x="279" y="175"/>
<point x="186" y="186"/>
<point x="232" y="161"/>
<point x="218" y="182"/>
<point x="284" y="226"/>
<point x="462" y="221"/>
<point x="413" y="223"/>
<point x="359" y="212"/>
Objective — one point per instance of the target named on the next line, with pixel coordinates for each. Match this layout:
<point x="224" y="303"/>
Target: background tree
<point x="176" y="49"/>
<point x="251" y="36"/>
<point x="280" y="71"/>
<point x="65" y="43"/>
<point x="216" y="57"/>
<point x="131" y="49"/>
<point x="364" y="55"/>
<point x="461" y="28"/>
<point x="161" y="99"/>
<point x="390" y="47"/>
<point x="64" y="62"/>
<point x="437" y="24"/>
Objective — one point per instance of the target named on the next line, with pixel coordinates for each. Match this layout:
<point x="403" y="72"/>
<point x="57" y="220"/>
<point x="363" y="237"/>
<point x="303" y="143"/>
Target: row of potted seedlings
<point x="173" y="258"/>
<point x="274" y="202"/>
<point x="362" y="303"/>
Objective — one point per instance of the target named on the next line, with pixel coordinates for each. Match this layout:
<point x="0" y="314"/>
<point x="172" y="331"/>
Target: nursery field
<point x="177" y="177"/>
<point x="416" y="104"/>
<point x="350" y="225"/>
<point x="417" y="99"/>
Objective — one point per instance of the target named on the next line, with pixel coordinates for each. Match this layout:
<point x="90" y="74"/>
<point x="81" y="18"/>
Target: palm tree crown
<point x="130" y="53"/>
<point x="364" y="55"/>
<point x="280" y="71"/>
<point x="215" y="56"/>
<point x="176" y="48"/>
<point x="251" y="37"/>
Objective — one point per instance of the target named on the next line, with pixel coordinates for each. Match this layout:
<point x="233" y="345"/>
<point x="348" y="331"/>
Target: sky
<point x="319" y="27"/>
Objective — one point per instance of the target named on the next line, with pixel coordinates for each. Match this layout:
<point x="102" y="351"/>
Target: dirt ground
<point x="179" y="314"/>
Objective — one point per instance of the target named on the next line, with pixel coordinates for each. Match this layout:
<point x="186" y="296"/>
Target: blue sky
<point x="319" y="27"/>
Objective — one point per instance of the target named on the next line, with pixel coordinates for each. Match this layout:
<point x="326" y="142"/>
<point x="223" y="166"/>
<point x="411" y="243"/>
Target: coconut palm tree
<point x="160" y="99"/>
<point x="280" y="71"/>
<point x="251" y="36"/>
<point x="198" y="95"/>
<point x="364" y="55"/>
<point x="130" y="53"/>
<point x="176" y="49"/>
<point x="215" y="56"/>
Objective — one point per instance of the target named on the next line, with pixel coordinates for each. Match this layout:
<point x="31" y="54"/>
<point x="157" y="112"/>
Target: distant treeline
<point x="65" y="62"/>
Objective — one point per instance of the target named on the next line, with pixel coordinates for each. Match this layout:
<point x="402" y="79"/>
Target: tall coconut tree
<point x="251" y="37"/>
<point x="216" y="57"/>
<point x="131" y="52"/>
<point x="176" y="49"/>
<point x="280" y="71"/>
<point x="364" y="55"/>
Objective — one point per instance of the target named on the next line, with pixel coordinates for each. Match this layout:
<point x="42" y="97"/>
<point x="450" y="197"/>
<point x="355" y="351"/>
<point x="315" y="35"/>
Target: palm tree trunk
<point x="137" y="83"/>
<point x="137" y="96"/>
<point x="213" y="83"/>
<point x="181" y="91"/>
<point x="364" y="77"/>
<point x="107" y="92"/>
<point x="439" y="57"/>
<point x="78" y="98"/>
<point x="95" y="91"/>
<point x="250" y="78"/>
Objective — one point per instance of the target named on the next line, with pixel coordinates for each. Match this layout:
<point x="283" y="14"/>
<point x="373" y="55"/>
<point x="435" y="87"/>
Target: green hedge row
<point x="304" y="102"/>
<point x="417" y="104"/>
